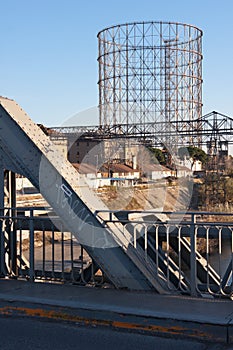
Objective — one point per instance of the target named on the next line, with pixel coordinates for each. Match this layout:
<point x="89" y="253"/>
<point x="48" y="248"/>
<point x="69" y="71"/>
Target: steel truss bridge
<point x="160" y="252"/>
<point x="212" y="130"/>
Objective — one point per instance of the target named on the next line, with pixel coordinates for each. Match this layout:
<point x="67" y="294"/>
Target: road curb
<point x="157" y="326"/>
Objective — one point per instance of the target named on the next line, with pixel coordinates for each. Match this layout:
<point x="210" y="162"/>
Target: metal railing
<point x="34" y="246"/>
<point x="192" y="253"/>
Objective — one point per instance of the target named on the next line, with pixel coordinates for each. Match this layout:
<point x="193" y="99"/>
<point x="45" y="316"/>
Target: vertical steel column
<point x="8" y="236"/>
<point x="12" y="233"/>
<point x="10" y="189"/>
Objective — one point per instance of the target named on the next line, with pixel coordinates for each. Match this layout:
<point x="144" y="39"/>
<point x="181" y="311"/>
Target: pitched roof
<point x="84" y="168"/>
<point x="119" y="168"/>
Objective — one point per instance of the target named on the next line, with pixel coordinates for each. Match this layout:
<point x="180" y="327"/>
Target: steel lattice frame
<point x="215" y="128"/>
<point x="150" y="72"/>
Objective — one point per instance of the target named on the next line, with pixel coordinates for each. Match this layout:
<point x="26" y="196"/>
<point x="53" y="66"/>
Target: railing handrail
<point x="170" y="244"/>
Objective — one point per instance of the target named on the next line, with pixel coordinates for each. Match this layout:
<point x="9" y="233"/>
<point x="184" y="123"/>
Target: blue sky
<point x="49" y="49"/>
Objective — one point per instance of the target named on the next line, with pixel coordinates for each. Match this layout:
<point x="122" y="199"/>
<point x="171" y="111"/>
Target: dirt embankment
<point x="146" y="197"/>
<point x="162" y="196"/>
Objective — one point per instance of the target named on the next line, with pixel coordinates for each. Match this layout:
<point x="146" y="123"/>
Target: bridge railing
<point x="34" y="246"/>
<point x="192" y="252"/>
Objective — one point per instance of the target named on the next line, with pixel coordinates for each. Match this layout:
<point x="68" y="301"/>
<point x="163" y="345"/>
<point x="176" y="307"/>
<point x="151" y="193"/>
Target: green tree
<point x="195" y="153"/>
<point x="158" y="155"/>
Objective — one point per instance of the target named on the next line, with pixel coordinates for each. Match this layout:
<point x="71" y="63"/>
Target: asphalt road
<point x="34" y="334"/>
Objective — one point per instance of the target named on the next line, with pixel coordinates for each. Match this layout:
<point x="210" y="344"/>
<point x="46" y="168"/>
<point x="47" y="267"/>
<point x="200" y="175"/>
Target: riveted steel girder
<point x="31" y="153"/>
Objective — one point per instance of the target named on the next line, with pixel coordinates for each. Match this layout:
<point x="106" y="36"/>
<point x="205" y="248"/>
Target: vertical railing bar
<point x="62" y="255"/>
<point x="2" y="248"/>
<point x="181" y="273"/>
<point x="221" y="265"/>
<point x="157" y="248"/>
<point x="179" y="254"/>
<point x="72" y="256"/>
<point x="207" y="258"/>
<point x="220" y="255"/>
<point x="135" y="237"/>
<point x="20" y="248"/>
<point x="167" y="253"/>
<point x="146" y="242"/>
<point x="92" y="271"/>
<point x="43" y="253"/>
<point x="31" y="248"/>
<point x="193" y="255"/>
<point x="82" y="270"/>
<point x="12" y="246"/>
<point x="53" y="252"/>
